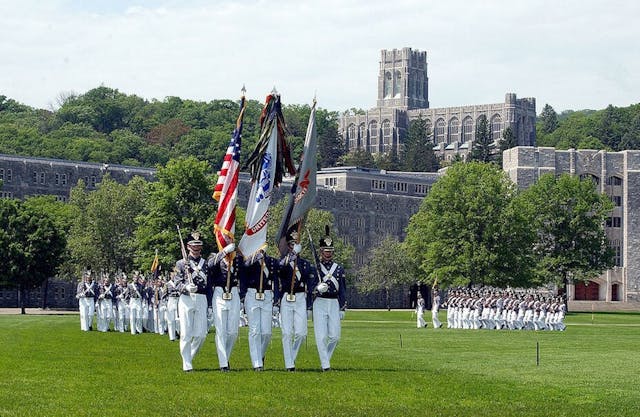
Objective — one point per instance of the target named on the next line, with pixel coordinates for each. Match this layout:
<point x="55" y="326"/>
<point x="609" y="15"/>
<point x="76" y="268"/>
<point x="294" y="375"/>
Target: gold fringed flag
<point x="267" y="164"/>
<point x="303" y="190"/>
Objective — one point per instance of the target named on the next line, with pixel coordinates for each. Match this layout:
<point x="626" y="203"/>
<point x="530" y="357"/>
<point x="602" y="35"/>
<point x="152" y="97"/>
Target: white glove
<point x="276" y="310"/>
<point x="322" y="287"/>
<point x="297" y="248"/>
<point x="229" y="248"/>
<point x="309" y="314"/>
<point x="342" y="312"/>
<point x="191" y="288"/>
<point x="209" y="313"/>
<point x="241" y="306"/>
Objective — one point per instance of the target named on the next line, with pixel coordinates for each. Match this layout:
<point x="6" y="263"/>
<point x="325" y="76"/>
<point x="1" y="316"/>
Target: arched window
<point x="496" y="127"/>
<point x="362" y="134"/>
<point x="386" y="135"/>
<point x="397" y="84"/>
<point x="454" y="126"/>
<point x="595" y="179"/>
<point x="429" y="129"/>
<point x="388" y="83"/>
<point x="439" y="133"/>
<point x="467" y="129"/>
<point x="373" y="135"/>
<point x="351" y="136"/>
<point x="615" y="181"/>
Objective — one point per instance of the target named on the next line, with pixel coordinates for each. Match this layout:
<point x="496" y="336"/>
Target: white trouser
<point x="135" y="315"/>
<point x="259" y="315"/>
<point x="86" y="307"/>
<point x="326" y="326"/>
<point x="435" y="319"/>
<point x="172" y="317"/>
<point x="105" y="314"/>
<point x="420" y="323"/>
<point x="123" y="316"/>
<point x="293" y="321"/>
<point x="227" y="321"/>
<point x="160" y="317"/>
<point x="193" y="326"/>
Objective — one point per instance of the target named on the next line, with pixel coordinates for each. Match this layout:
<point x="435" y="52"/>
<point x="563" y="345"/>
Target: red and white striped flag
<point x="226" y="189"/>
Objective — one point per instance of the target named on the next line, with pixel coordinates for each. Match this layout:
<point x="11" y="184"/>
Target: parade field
<point x="383" y="366"/>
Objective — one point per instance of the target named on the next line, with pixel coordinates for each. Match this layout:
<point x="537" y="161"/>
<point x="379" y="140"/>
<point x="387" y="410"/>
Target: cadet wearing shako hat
<point x="137" y="296"/>
<point x="193" y="282"/>
<point x="295" y="276"/>
<point x="86" y="294"/>
<point x="329" y="304"/>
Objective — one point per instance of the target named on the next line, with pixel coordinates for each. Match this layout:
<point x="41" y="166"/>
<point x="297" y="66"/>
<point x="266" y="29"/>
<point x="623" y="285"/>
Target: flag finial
<point x="243" y="90"/>
<point x="274" y="91"/>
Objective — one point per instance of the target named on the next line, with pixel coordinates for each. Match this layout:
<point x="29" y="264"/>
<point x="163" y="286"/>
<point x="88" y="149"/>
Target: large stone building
<point x="403" y="96"/>
<point x="616" y="174"/>
<point x="366" y="203"/>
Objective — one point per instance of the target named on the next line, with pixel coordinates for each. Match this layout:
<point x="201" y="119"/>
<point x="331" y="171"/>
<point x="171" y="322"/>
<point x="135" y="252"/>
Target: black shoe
<point x="258" y="369"/>
<point x="291" y="369"/>
<point x="326" y="369"/>
<point x="188" y="370"/>
<point x="224" y="369"/>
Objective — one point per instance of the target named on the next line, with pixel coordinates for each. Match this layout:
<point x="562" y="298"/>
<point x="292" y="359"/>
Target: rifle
<point x="184" y="257"/>
<point x="315" y="254"/>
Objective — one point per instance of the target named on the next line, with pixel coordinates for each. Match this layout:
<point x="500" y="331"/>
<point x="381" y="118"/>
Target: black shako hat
<point x="326" y="242"/>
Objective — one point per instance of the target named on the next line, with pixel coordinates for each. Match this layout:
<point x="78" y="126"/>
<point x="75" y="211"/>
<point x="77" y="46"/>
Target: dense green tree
<point x="101" y="236"/>
<point x="468" y="231"/>
<point x="388" y="161"/>
<point x="568" y="215"/>
<point x="31" y="246"/>
<point x="417" y="153"/>
<point x="387" y="266"/>
<point x="548" y="119"/>
<point x="483" y="149"/>
<point x="180" y="197"/>
<point x="358" y="157"/>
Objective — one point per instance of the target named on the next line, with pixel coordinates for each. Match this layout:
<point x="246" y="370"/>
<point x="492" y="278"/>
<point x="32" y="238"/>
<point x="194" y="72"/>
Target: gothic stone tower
<point x="403" y="81"/>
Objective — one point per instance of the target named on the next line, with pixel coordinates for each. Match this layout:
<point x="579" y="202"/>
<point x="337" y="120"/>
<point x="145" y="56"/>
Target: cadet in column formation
<point x="259" y="289"/>
<point x="173" y="295"/>
<point x="105" y="304"/>
<point x="193" y="282"/>
<point x="137" y="294"/>
<point x="295" y="304"/>
<point x="86" y="294"/>
<point x="226" y="301"/>
<point x="329" y="305"/>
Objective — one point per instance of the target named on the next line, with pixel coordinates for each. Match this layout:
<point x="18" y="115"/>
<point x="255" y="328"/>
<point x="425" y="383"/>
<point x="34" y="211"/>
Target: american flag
<point x="226" y="189"/>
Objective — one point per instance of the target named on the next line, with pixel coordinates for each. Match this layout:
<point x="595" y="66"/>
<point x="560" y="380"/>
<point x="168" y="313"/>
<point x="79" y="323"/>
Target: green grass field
<point x="384" y="366"/>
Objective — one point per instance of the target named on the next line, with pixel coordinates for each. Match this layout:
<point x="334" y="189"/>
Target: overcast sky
<point x="569" y="54"/>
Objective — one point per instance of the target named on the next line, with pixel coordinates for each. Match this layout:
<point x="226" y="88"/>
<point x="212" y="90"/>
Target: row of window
<point x="442" y="132"/>
<point x="6" y="194"/>
<point x="403" y="187"/>
<point x="60" y="179"/>
<point x="6" y="175"/>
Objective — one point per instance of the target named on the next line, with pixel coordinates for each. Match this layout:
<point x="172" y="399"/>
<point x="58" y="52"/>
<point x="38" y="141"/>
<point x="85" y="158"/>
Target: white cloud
<point x="569" y="54"/>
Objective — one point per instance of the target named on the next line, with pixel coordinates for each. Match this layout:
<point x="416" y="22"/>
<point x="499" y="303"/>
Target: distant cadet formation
<point x="204" y="293"/>
<point x="497" y="309"/>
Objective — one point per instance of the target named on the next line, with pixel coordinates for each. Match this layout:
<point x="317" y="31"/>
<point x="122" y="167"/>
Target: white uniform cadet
<point x="435" y="308"/>
<point x="226" y="301"/>
<point x="86" y="294"/>
<point x="420" y="322"/>
<point x="193" y="282"/>
<point x="329" y="305"/>
<point x="258" y="289"/>
<point x="295" y="304"/>
<point x="105" y="305"/>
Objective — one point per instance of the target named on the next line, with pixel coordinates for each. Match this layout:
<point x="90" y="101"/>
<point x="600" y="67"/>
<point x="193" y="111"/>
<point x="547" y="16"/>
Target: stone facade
<point x="403" y="96"/>
<point x="616" y="174"/>
<point x="366" y="203"/>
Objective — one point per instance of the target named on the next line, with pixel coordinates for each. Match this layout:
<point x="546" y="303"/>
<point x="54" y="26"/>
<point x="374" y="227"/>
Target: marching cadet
<point x="160" y="306"/>
<point x="258" y="289"/>
<point x="105" y="304"/>
<point x="173" y="295"/>
<point x="226" y="266"/>
<point x="295" y="274"/>
<point x="329" y="304"/>
<point x="420" y="323"/>
<point x="137" y="294"/>
<point x="123" y="304"/>
<point x="435" y="308"/>
<point x="86" y="294"/>
<point x="193" y="282"/>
